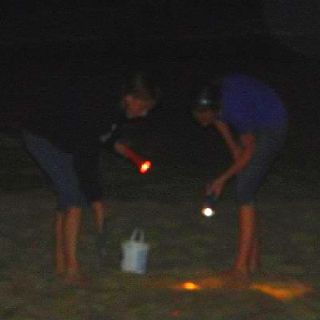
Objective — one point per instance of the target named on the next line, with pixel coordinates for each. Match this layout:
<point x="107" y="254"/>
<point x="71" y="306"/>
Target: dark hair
<point x="209" y="97"/>
<point x="141" y="86"/>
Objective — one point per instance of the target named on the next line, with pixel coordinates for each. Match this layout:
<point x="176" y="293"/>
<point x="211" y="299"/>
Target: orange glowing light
<point x="145" y="167"/>
<point x="142" y="164"/>
<point x="190" y="286"/>
<point x="281" y="291"/>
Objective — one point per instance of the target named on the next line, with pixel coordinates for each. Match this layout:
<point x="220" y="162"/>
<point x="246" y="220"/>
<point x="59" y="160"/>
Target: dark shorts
<point x="60" y="168"/>
<point x="268" y="145"/>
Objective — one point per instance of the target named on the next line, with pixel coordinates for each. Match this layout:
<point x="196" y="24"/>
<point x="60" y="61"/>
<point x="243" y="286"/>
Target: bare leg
<point x="99" y="217"/>
<point x="71" y="225"/>
<point x="254" y="259"/>
<point x="246" y="239"/>
<point x="99" y="213"/>
<point x="59" y="247"/>
<point x="239" y="274"/>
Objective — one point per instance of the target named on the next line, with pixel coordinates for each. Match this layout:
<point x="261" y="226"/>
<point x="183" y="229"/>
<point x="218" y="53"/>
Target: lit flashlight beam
<point x="208" y="212"/>
<point x="145" y="167"/>
<point x="142" y="164"/>
<point x="208" y="208"/>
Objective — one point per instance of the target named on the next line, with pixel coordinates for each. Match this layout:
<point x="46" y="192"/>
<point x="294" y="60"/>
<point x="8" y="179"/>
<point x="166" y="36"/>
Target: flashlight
<point x="209" y="204"/>
<point x="142" y="164"/>
<point x="145" y="166"/>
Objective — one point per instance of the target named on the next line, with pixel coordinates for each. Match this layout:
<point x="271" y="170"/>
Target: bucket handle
<point x="137" y="235"/>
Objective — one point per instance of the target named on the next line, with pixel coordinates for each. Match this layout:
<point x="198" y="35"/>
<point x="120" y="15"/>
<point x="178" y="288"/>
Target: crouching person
<point x="253" y="122"/>
<point x="66" y="141"/>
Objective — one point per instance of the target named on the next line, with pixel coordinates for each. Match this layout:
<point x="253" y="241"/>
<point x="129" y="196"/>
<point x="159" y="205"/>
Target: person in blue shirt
<point x="252" y="120"/>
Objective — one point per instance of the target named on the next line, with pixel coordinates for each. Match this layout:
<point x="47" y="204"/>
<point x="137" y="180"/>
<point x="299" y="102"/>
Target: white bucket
<point x="134" y="253"/>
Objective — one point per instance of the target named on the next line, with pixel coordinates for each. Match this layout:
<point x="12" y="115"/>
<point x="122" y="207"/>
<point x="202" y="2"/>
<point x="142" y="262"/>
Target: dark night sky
<point x="53" y="27"/>
<point x="37" y="22"/>
<point x="295" y="22"/>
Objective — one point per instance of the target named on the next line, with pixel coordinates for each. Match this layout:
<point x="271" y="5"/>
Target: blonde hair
<point x="141" y="86"/>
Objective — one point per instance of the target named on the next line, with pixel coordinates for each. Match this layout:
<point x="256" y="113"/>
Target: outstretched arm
<point x="141" y="163"/>
<point x="121" y="148"/>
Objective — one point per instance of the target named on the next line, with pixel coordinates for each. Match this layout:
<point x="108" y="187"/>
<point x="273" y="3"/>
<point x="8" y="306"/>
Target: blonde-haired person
<point x="66" y="142"/>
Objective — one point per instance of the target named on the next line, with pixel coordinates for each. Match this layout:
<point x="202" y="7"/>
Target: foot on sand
<point x="76" y="280"/>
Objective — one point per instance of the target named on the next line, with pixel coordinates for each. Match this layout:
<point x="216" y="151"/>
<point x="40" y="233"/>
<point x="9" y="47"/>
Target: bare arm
<point x="248" y="146"/>
<point x="124" y="150"/>
<point x="121" y="148"/>
<point x="225" y="132"/>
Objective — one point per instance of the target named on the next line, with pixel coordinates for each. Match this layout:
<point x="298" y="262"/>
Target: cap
<point x="205" y="98"/>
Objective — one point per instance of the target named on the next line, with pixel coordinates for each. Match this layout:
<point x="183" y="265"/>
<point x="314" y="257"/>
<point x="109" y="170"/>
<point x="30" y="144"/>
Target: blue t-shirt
<point x="249" y="105"/>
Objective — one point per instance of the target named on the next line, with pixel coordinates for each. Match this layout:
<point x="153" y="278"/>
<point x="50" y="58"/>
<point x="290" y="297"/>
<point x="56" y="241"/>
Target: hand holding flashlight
<point x="213" y="192"/>
<point x="209" y="205"/>
<point x="216" y="186"/>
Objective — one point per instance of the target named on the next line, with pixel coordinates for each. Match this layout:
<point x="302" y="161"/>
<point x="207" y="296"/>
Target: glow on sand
<point x="190" y="286"/>
<point x="283" y="291"/>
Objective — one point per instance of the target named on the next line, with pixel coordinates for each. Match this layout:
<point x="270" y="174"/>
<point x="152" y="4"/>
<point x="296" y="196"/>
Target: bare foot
<point x="236" y="279"/>
<point x="59" y="275"/>
<point x="255" y="268"/>
<point x="76" y="280"/>
<point x="59" y="267"/>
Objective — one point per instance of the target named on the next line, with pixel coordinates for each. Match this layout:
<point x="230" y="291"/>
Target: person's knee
<point x="98" y="205"/>
<point x="247" y="208"/>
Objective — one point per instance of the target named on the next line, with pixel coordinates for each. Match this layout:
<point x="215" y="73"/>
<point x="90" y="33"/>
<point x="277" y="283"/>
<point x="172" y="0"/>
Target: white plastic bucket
<point x="135" y="253"/>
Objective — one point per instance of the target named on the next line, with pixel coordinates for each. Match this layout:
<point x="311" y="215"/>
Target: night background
<point x="47" y="46"/>
<point x="96" y="45"/>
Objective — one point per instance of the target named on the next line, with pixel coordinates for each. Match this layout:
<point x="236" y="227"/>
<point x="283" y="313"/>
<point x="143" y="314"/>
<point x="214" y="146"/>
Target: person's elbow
<point x="120" y="148"/>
